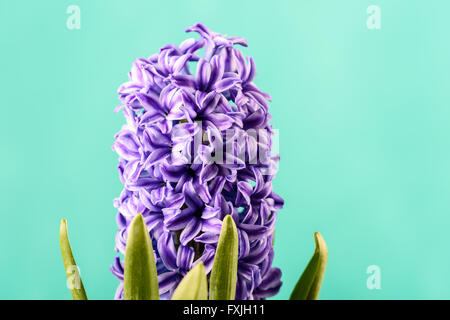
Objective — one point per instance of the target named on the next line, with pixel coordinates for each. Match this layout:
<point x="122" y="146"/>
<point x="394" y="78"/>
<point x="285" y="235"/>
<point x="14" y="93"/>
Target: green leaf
<point x="308" y="286"/>
<point x="222" y="283"/>
<point x="194" y="285"/>
<point x="140" y="277"/>
<point x="73" y="275"/>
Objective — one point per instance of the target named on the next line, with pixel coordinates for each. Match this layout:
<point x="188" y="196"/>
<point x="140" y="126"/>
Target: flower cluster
<point x="195" y="148"/>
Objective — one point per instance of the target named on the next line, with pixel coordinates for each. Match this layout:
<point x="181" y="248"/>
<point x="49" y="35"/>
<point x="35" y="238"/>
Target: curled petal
<point x="184" y="80"/>
<point x="185" y="257"/>
<point x="150" y="102"/>
<point x="167" y="251"/>
<point x="177" y="221"/>
<point x="212" y="225"/>
<point x="225" y="84"/>
<point x="168" y="281"/>
<point x="210" y="212"/>
<point x="246" y="190"/>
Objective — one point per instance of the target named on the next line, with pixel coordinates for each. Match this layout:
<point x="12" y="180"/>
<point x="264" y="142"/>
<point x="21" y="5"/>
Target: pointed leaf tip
<point x="310" y="282"/>
<point x="140" y="275"/>
<point x="194" y="285"/>
<point x="223" y="278"/>
<point x="74" y="281"/>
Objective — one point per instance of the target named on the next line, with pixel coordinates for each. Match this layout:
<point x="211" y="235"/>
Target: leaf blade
<point x="310" y="282"/>
<point x="77" y="290"/>
<point x="140" y="275"/>
<point x="323" y="260"/>
<point x="194" y="285"/>
<point x="223" y="278"/>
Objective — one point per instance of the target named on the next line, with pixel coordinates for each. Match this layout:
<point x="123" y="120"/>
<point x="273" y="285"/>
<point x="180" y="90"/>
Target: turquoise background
<point x="364" y="135"/>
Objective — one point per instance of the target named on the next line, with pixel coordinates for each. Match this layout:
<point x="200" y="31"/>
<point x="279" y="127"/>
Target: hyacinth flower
<point x="178" y="122"/>
<point x="195" y="161"/>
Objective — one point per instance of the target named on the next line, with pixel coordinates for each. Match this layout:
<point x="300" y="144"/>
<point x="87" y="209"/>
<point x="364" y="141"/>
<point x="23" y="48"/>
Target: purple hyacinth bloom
<point x="196" y="146"/>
